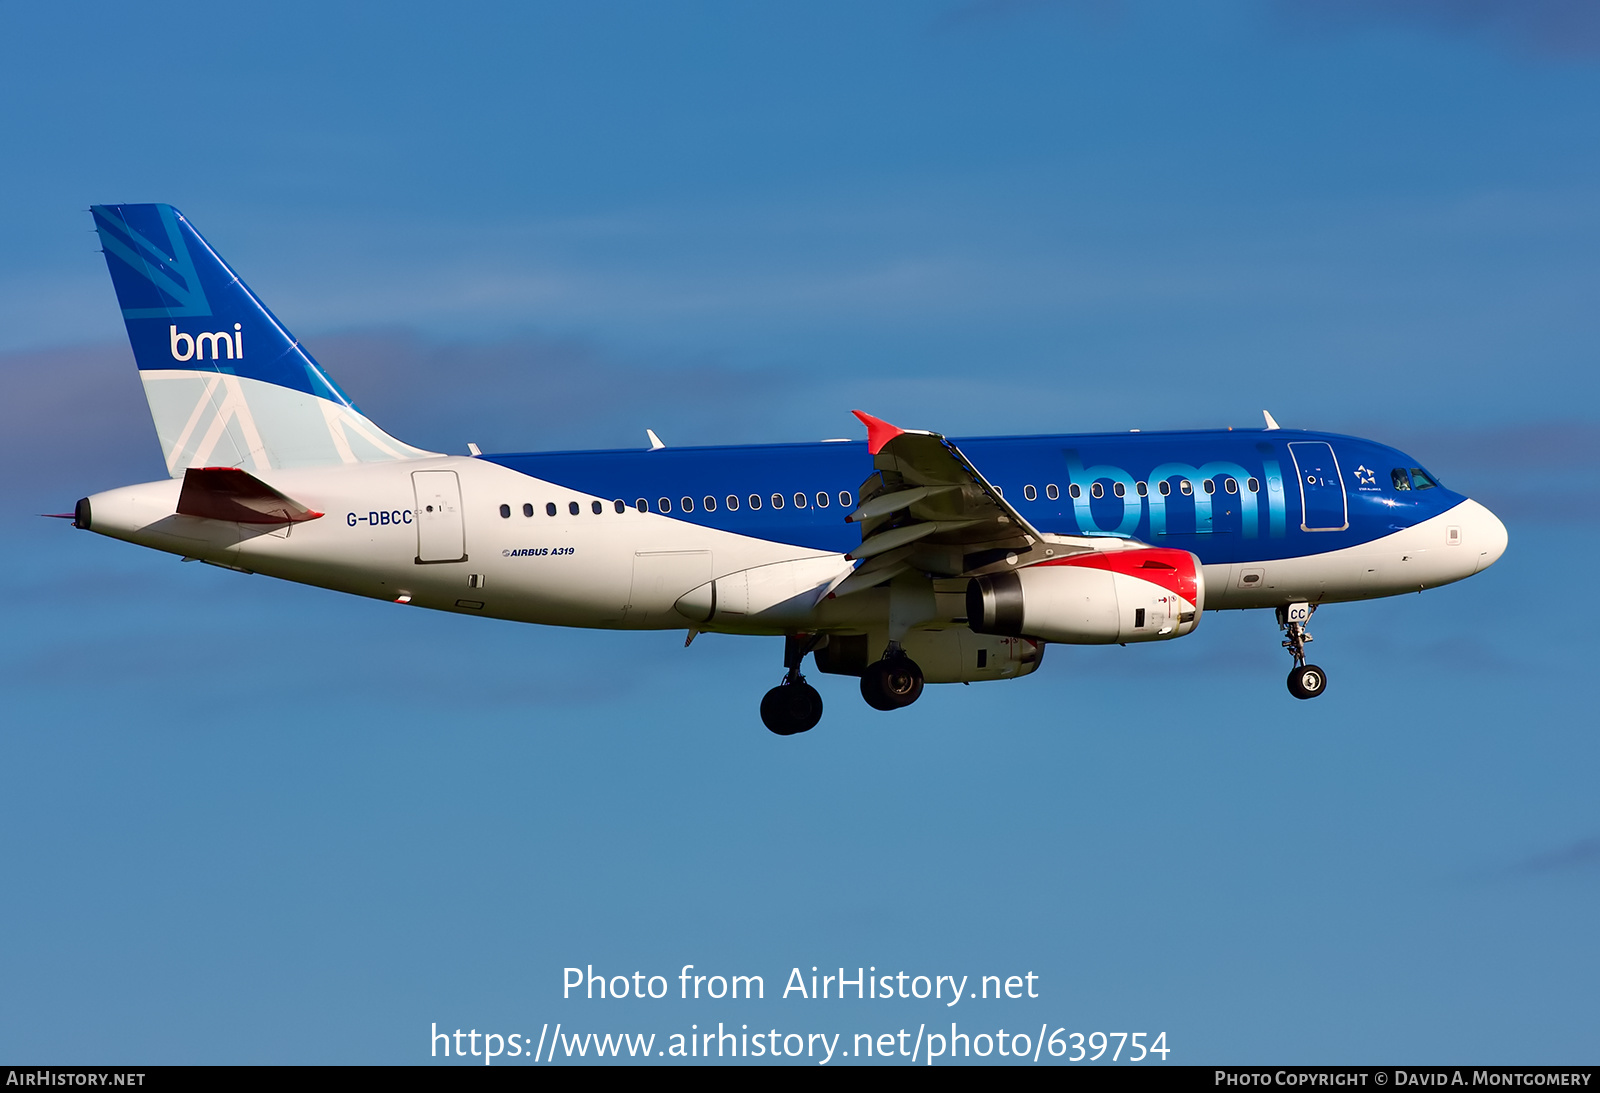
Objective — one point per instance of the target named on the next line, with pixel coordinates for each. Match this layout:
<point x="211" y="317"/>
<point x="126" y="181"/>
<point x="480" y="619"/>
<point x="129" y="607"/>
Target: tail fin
<point x="228" y="385"/>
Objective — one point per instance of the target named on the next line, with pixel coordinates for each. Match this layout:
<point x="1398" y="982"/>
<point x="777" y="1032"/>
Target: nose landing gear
<point x="1306" y="680"/>
<point x="793" y="706"/>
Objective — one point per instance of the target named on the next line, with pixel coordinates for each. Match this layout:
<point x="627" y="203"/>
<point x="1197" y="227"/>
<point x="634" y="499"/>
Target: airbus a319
<point x="904" y="559"/>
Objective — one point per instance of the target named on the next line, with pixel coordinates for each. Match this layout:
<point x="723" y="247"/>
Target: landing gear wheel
<point x="791" y="708"/>
<point x="891" y="683"/>
<point x="1307" y="681"/>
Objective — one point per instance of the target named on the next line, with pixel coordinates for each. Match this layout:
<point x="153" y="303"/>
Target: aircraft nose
<point x="1482" y="533"/>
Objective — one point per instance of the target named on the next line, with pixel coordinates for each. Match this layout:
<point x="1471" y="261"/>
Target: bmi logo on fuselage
<point x="193" y="346"/>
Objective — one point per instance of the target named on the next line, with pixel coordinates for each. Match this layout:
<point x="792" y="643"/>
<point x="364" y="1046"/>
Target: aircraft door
<point x="1323" y="506"/>
<point x="441" y="531"/>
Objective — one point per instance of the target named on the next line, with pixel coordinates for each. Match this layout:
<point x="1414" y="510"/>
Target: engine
<point x="1098" y="598"/>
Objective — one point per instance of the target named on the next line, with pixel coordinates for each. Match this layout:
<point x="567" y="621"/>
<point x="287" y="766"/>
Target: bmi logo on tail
<point x="186" y="347"/>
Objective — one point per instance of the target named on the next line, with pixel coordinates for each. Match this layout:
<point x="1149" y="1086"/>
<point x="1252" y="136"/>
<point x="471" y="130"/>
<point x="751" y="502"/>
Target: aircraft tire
<point x="891" y="683"/>
<point x="1307" y="681"/>
<point x="791" y="708"/>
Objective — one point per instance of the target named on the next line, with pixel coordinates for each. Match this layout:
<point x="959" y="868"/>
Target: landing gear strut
<point x="1306" y="680"/>
<point x="893" y="682"/>
<point x="793" y="706"/>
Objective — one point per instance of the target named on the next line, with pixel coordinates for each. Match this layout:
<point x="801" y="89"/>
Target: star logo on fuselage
<point x="1365" y="477"/>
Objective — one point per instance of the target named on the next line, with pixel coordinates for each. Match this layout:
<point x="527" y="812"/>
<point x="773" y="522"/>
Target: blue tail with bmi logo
<point x="228" y="385"/>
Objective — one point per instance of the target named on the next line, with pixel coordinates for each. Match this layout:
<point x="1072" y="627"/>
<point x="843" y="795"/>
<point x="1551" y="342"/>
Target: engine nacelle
<point x="1098" y="598"/>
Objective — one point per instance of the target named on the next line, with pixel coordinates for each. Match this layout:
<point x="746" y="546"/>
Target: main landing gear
<point x="893" y="682"/>
<point x="1306" y="680"/>
<point x="793" y="706"/>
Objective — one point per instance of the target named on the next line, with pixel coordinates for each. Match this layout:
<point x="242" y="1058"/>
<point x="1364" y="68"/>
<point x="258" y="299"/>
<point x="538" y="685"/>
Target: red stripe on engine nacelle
<point x="1171" y="569"/>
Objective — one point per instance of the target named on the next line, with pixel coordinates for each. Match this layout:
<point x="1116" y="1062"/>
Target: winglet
<point x="655" y="441"/>
<point x="1271" y="425"/>
<point x="879" y="432"/>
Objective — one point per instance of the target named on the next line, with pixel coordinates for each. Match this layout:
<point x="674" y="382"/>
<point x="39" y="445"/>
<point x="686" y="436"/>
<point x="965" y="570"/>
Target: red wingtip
<point x="879" y="432"/>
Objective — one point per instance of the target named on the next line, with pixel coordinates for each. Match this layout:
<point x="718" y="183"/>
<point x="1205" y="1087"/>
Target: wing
<point x="926" y="507"/>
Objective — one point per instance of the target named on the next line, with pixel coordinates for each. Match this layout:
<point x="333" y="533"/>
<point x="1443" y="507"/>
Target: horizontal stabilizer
<point x="227" y="493"/>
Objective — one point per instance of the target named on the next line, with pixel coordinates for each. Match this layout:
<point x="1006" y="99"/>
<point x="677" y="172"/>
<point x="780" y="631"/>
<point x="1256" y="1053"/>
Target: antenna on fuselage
<point x="1271" y="424"/>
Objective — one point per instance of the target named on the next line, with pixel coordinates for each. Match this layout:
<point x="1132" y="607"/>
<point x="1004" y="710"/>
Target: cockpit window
<point x="1413" y="479"/>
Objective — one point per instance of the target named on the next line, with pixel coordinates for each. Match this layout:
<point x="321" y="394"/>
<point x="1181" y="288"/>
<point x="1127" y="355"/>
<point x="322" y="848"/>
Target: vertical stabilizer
<point x="228" y="385"/>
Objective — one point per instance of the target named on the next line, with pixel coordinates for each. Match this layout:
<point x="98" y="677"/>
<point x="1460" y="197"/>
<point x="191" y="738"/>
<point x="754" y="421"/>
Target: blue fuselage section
<point x="1227" y="496"/>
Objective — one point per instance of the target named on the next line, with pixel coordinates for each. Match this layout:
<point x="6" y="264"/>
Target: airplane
<point x="905" y="559"/>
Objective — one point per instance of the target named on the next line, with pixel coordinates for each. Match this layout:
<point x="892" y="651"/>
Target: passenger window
<point x="710" y="503"/>
<point x="1074" y="491"/>
<point x="1142" y="489"/>
<point x="505" y="512"/>
<point x="1186" y="487"/>
<point x="686" y="503"/>
<point x="642" y="505"/>
<point x="777" y="500"/>
<point x="1231" y="485"/>
<point x="663" y="504"/>
<point x="1210" y="485"/>
<point x="1051" y="492"/>
<point x="1097" y="490"/>
<point x="799" y="500"/>
<point x="733" y="502"/>
<point x="755" y="500"/>
<point x="1421" y="480"/>
<point x="1165" y="487"/>
<point x="1253" y="486"/>
<point x="1401" y="480"/>
<point x="846" y="498"/>
<point x="596" y="507"/>
<point x="527" y="510"/>
<point x="1030" y="493"/>
<point x="1119" y="489"/>
<point x="622" y="506"/>
<point x="822" y="499"/>
<point x="572" y="507"/>
<point x="550" y="508"/>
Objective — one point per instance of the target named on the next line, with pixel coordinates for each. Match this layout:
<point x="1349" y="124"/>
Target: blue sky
<point x="249" y="821"/>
